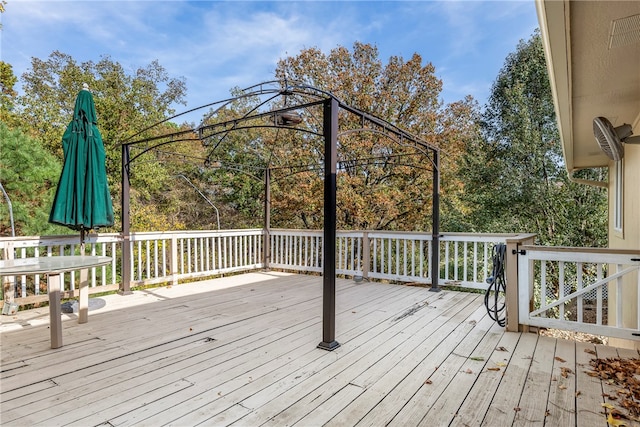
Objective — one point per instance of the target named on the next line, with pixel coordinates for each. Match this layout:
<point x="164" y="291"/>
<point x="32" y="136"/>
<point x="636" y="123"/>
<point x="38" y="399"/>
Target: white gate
<point x="576" y="288"/>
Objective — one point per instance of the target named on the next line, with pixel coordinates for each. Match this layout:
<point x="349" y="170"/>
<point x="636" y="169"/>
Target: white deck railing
<point x="395" y="256"/>
<point x="172" y="256"/>
<point x="155" y="258"/>
<point x="31" y="289"/>
<point x="568" y="288"/>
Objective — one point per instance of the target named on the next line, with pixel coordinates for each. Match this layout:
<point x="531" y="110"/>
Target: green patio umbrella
<point x="82" y="200"/>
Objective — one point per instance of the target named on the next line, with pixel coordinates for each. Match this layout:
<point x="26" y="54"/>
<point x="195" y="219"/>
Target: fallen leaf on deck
<point x="516" y="409"/>
<point x="614" y="421"/>
<point x="587" y="350"/>
<point x="564" y="371"/>
<point x="477" y="359"/>
<point x="501" y="349"/>
<point x="468" y="371"/>
<point x="493" y="369"/>
<point x="560" y="359"/>
<point x="547" y="413"/>
<point x="428" y="382"/>
<point x="501" y="364"/>
<point x="578" y="393"/>
<point x="562" y="387"/>
<point x="608" y="405"/>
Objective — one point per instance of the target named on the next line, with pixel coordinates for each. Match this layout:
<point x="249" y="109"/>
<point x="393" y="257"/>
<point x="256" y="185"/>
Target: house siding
<point x="629" y="238"/>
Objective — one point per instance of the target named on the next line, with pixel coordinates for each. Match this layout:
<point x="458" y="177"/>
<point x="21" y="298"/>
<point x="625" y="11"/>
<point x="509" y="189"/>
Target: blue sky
<point x="218" y="45"/>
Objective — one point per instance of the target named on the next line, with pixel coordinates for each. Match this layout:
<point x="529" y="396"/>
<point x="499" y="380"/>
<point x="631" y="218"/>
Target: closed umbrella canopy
<point x="82" y="200"/>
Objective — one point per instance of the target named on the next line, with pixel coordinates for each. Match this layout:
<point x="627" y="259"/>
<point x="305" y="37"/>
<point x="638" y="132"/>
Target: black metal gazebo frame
<point x="331" y="106"/>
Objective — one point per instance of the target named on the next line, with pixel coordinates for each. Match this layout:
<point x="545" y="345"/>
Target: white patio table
<point x="53" y="267"/>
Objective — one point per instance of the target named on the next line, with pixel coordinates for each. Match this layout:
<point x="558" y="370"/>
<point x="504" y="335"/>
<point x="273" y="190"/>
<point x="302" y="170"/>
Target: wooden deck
<point x="242" y="351"/>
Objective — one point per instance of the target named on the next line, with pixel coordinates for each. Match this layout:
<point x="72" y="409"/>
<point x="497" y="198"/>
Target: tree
<point x="29" y="174"/>
<point x="382" y="184"/>
<point x="513" y="172"/>
<point x="125" y="105"/>
<point x="7" y="94"/>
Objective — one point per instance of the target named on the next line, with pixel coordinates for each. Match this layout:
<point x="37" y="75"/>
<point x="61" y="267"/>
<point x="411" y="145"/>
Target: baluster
<point x="599" y="296"/>
<point x="561" y="290"/>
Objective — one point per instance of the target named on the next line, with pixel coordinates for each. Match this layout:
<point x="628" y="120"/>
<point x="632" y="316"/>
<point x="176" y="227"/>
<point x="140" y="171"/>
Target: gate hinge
<point x="519" y="252"/>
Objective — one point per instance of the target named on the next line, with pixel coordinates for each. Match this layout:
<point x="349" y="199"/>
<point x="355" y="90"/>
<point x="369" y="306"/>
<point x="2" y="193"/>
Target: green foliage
<point x="29" y="175"/>
<point x="7" y="94"/>
<point x="501" y="170"/>
<point x="125" y="105"/>
<point x="513" y="173"/>
<point x="234" y="182"/>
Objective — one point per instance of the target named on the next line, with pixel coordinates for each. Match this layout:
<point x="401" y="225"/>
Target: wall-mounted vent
<point x="625" y="31"/>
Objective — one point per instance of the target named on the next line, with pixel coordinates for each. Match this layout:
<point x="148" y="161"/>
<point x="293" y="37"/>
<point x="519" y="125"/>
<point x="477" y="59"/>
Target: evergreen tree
<point x="29" y="175"/>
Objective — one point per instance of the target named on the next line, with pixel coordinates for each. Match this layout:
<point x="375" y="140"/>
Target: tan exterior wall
<point x="629" y="238"/>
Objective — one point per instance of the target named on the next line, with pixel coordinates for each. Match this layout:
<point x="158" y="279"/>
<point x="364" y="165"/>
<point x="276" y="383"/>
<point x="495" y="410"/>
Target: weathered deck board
<point x="430" y="389"/>
<point x="447" y="405"/>
<point x="589" y="400"/>
<point x="533" y="400"/>
<point x="242" y="350"/>
<point x="212" y="400"/>
<point x="478" y="399"/>
<point x="562" y="390"/>
<point x="506" y="401"/>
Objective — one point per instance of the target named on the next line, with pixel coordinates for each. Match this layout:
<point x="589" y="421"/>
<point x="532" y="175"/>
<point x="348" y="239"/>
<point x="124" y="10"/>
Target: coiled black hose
<point x="494" y="297"/>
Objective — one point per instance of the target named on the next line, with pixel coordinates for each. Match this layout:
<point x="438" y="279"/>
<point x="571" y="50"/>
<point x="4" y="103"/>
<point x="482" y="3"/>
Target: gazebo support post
<point x="330" y="123"/>
<point x="435" y="238"/>
<point x="266" y="247"/>
<point x="125" y="286"/>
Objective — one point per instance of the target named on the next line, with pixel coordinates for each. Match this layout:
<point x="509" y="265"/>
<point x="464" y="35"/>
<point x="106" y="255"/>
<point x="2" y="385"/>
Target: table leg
<point x="84" y="297"/>
<point x="55" y="312"/>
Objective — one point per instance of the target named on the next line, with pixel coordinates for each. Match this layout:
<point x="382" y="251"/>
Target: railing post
<point x="511" y="297"/>
<point x="8" y="282"/>
<point x="366" y="254"/>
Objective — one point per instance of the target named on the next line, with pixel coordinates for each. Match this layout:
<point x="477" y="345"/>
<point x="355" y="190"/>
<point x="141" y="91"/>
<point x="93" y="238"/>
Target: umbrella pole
<point x="82" y="236"/>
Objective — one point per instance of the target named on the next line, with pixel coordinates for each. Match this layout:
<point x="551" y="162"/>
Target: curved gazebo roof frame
<point x="313" y="97"/>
